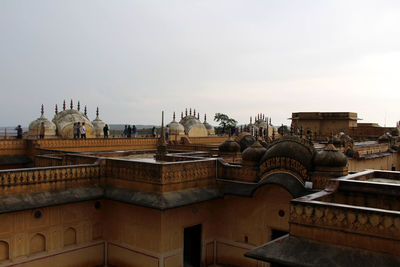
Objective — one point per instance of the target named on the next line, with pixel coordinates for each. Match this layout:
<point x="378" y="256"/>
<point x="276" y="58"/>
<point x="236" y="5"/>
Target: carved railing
<point x="160" y="173"/>
<point x="97" y="144"/>
<point x="31" y="176"/>
<point x="178" y="172"/>
<point x="208" y="139"/>
<point x="134" y="171"/>
<point x="346" y="218"/>
<point x="13" y="147"/>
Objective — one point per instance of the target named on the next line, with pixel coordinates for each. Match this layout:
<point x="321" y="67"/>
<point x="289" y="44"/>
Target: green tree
<point x="226" y="123"/>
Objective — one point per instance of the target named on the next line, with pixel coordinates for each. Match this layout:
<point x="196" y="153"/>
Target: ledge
<point x="298" y="252"/>
<point x="11" y="203"/>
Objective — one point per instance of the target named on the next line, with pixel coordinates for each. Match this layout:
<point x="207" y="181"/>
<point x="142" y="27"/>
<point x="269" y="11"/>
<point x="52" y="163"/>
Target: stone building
<point x="109" y="201"/>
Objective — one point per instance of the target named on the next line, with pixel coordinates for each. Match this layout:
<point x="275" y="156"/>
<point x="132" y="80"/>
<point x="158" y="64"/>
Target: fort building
<point x="200" y="201"/>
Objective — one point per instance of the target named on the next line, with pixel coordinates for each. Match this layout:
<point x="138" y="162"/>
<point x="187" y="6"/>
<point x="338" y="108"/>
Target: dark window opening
<point x="192" y="246"/>
<point x="277" y="233"/>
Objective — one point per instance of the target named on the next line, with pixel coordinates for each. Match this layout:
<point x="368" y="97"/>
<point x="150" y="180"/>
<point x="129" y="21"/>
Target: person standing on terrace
<point x="83" y="131"/>
<point x="19" y="132"/>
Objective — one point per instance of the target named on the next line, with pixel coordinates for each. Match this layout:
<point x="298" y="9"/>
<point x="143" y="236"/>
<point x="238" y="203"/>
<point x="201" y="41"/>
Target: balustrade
<point x="48" y="175"/>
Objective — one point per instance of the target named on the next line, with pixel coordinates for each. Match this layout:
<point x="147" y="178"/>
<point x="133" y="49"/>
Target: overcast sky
<point x="136" y="58"/>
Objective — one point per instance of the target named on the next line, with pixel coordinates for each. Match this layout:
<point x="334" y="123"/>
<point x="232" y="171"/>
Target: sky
<point x="134" y="58"/>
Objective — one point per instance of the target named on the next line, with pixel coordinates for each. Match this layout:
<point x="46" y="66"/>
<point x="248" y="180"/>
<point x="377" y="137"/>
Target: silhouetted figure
<point x="105" y="131"/>
<point x="19" y="132"/>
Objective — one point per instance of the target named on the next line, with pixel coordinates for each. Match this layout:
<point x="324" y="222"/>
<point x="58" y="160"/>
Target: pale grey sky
<point x="136" y="58"/>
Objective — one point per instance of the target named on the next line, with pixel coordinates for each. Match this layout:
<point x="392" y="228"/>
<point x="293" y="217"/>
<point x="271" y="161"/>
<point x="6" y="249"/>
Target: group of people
<point x="79" y="130"/>
<point x="130" y="131"/>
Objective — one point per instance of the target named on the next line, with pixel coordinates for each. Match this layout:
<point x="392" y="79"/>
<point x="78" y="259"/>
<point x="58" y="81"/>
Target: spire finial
<point x="190" y="111"/>
<point x="97" y="112"/>
<point x="85" y="112"/>
<point x="181" y="115"/>
<point x="185" y="111"/>
<point x="72" y="104"/>
<point x="56" y="109"/>
<point x="173" y="117"/>
<point x="162" y="143"/>
<point x="79" y="105"/>
<point x="64" y="106"/>
<point x="251" y="119"/>
<point x="194" y="112"/>
<point x="42" y="110"/>
<point x="205" y="117"/>
<point x="198" y="115"/>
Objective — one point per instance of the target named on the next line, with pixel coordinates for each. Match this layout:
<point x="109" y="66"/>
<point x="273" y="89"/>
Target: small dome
<point x="385" y="138"/>
<point x="35" y="126"/>
<point x="229" y="146"/>
<point x="175" y="128"/>
<point x="330" y="157"/>
<point x="253" y="153"/>
<point x="98" y="125"/>
<point x="209" y="128"/>
<point x="245" y="140"/>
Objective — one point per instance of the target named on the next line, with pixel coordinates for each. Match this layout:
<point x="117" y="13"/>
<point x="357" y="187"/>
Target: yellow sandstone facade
<point x="98" y="202"/>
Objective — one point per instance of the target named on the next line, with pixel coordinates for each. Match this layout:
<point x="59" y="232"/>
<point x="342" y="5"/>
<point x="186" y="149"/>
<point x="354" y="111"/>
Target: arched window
<point x="69" y="236"/>
<point x="37" y="244"/>
<point x="4" y="251"/>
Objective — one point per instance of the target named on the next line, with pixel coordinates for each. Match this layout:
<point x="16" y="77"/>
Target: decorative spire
<point x="181" y="115"/>
<point x="71" y="105"/>
<point x="190" y="112"/>
<point x="198" y="116"/>
<point x="250" y="120"/>
<point x="97" y="112"/>
<point x="205" y="117"/>
<point x="79" y="105"/>
<point x="56" y="109"/>
<point x="162" y="143"/>
<point x="173" y="117"/>
<point x="64" y="106"/>
<point x="42" y="111"/>
<point x="85" y="112"/>
<point x="194" y="112"/>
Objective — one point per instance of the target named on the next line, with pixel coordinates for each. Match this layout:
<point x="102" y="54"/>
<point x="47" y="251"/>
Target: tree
<point x="225" y="122"/>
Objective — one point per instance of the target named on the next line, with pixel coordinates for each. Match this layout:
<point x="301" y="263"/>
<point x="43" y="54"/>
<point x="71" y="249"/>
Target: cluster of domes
<point x="63" y="123"/>
<point x="292" y="147"/>
<point x="191" y="125"/>
<point x="264" y="123"/>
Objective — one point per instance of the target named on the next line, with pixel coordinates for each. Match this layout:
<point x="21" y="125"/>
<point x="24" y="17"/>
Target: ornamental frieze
<point x="284" y="163"/>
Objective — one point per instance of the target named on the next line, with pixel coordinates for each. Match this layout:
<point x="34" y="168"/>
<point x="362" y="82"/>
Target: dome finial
<point x="85" y="112"/>
<point x="205" y="117"/>
<point x="64" y="106"/>
<point x="42" y="110"/>
<point x="194" y="112"/>
<point x="185" y="111"/>
<point x="173" y="117"/>
<point x="71" y="105"/>
<point x="79" y="105"/>
<point x="97" y="112"/>
<point x="56" y="109"/>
